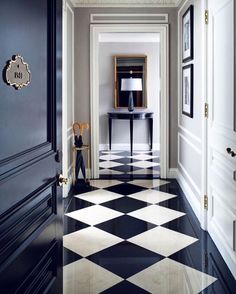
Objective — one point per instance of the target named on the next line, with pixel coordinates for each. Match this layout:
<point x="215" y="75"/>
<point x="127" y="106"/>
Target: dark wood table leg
<point x="131" y="134"/>
<point x="151" y="132"/>
<point x="110" y="132"/>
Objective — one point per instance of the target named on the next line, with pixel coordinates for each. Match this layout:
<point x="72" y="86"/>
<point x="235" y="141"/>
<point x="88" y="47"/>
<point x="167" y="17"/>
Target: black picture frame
<point x="188" y="34"/>
<point x="187" y="90"/>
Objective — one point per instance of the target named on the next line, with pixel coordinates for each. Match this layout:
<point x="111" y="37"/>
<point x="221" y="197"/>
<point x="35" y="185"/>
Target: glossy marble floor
<point x="121" y="164"/>
<point x="138" y="236"/>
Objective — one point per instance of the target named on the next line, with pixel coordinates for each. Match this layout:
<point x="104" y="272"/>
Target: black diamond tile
<point x="126" y="160"/>
<point x="80" y="187"/>
<point x="125" y="226"/>
<point x="76" y="204"/>
<point x="102" y="160"/>
<point x="69" y="256"/>
<point x="125" y="189"/>
<point x="125" y="259"/>
<point x="125" y="204"/>
<point x="182" y="225"/>
<point x="125" y="287"/>
<point x="126" y="168"/>
<point x="71" y="225"/>
<point x="174" y="203"/>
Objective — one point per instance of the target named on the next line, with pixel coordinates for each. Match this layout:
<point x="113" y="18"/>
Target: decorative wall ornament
<point x="17" y="73"/>
<point x="188" y="34"/>
<point x="125" y="3"/>
<point x="187" y="90"/>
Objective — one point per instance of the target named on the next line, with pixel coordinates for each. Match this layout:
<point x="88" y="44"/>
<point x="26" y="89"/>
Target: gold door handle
<point x="231" y="152"/>
<point x="62" y="180"/>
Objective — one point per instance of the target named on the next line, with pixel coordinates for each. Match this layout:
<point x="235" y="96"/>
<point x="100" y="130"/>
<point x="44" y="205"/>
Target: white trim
<point x="198" y="150"/>
<point x="191" y="135"/>
<point x="125" y="3"/>
<point x="67" y="133"/>
<point x="190" y="195"/>
<point x="126" y="18"/>
<point x="172" y="173"/>
<point x="188" y="176"/>
<point x="95" y="30"/>
<point x="126" y="147"/>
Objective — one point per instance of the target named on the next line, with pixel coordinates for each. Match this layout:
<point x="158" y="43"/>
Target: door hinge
<point x="206" y="17"/>
<point x="205" y="201"/>
<point x="206" y="110"/>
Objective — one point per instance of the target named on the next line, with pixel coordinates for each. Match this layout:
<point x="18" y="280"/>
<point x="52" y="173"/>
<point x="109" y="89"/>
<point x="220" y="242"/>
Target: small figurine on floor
<point x="79" y="144"/>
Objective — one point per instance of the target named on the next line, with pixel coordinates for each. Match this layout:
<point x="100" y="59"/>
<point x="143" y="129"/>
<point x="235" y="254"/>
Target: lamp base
<point x="131" y="102"/>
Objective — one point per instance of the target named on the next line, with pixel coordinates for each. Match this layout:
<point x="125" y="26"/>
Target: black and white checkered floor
<point x="138" y="236"/>
<point x="123" y="164"/>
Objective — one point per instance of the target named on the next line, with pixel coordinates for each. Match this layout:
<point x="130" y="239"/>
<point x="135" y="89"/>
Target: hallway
<point x="138" y="236"/>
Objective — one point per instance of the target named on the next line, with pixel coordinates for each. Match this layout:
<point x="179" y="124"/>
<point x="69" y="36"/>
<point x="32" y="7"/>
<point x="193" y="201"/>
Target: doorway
<point x="96" y="33"/>
<point x="132" y="57"/>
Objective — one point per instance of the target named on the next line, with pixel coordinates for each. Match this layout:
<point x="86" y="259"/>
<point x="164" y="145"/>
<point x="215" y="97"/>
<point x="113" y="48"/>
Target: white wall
<point x="106" y="93"/>
<point x="190" y="130"/>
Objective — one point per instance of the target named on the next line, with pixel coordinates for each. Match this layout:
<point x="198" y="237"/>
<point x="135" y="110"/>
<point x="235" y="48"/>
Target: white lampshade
<point x="131" y="84"/>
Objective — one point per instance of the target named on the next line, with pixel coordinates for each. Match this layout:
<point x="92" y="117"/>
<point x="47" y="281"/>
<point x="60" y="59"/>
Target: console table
<point x="131" y="116"/>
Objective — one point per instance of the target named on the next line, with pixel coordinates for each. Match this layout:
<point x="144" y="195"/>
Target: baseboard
<point x="191" y="197"/>
<point x="172" y="173"/>
<point x="126" y="147"/>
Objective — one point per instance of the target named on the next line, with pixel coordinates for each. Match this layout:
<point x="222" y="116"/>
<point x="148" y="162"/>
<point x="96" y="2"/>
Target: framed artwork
<point x="187" y="34"/>
<point x="187" y="90"/>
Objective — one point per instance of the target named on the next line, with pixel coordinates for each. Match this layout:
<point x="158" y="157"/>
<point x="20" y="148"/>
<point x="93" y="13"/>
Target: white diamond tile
<point x="142" y="156"/>
<point x="162" y="241"/>
<point x="144" y="164"/>
<point x="89" y="241"/>
<point x="110" y="157"/>
<point x="109" y="172"/>
<point x="101" y="184"/>
<point x="145" y="172"/>
<point x="171" y="277"/>
<point x="99" y="196"/>
<point x="85" y="277"/>
<point x="109" y="164"/>
<point x="111" y="152"/>
<point x="149" y="183"/>
<point x="155" y="214"/>
<point x="94" y="215"/>
<point x="152" y="196"/>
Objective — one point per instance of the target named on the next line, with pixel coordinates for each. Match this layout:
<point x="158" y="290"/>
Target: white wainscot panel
<point x="222" y="179"/>
<point x="189" y="159"/>
<point x="222" y="28"/>
<point x="222" y="218"/>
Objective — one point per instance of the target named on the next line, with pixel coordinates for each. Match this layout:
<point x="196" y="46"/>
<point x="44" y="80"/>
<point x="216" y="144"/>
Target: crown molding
<point x="126" y="3"/>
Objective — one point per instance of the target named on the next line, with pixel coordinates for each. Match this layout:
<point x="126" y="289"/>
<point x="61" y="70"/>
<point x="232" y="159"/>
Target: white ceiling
<point x="125" y="3"/>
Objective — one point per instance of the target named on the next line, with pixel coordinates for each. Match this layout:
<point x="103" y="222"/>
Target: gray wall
<point x="106" y="92"/>
<point x="82" y="65"/>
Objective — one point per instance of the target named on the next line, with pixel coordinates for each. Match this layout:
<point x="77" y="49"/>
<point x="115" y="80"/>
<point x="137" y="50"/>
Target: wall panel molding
<point x="128" y="18"/>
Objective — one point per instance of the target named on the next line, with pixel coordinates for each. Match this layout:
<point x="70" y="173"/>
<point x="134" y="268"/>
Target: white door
<point x="221" y="130"/>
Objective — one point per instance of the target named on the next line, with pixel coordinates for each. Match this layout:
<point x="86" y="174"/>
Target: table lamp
<point x="131" y="85"/>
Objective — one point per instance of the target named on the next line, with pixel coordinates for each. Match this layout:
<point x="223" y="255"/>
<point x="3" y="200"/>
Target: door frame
<point x="95" y="31"/>
<point x="67" y="132"/>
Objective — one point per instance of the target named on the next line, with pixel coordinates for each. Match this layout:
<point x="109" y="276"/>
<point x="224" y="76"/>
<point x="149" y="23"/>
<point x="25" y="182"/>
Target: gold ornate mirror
<point x="130" y="66"/>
